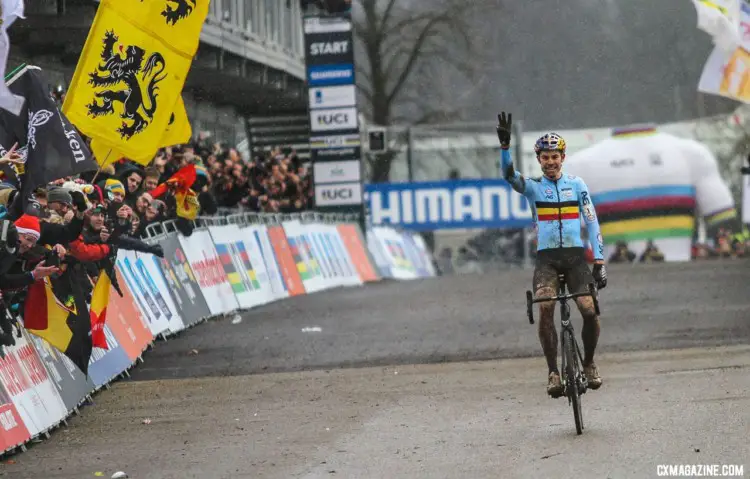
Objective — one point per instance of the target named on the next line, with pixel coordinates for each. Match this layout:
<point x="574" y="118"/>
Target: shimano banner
<point x="334" y="118"/>
<point x="435" y="205"/>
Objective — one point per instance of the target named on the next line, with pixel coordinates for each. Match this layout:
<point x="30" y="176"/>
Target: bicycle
<point x="572" y="359"/>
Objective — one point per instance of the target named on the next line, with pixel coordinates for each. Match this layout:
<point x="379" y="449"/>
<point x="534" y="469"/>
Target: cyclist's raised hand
<point x="600" y="275"/>
<point x="504" y="129"/>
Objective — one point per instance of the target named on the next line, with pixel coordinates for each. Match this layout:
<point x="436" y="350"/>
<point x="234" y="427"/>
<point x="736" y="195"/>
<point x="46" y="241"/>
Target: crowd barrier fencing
<point x="227" y="265"/>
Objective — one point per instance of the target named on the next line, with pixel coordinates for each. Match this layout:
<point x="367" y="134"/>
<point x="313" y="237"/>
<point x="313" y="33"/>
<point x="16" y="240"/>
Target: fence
<point x="228" y="264"/>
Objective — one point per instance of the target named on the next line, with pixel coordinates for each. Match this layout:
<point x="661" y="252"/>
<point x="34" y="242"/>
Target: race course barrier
<point x="226" y="265"/>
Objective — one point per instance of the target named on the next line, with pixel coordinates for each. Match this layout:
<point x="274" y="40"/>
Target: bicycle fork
<point x="568" y="340"/>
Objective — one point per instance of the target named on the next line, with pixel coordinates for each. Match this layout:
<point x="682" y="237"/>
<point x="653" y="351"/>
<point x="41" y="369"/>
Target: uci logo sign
<point x="333" y="119"/>
<point x="337" y="194"/>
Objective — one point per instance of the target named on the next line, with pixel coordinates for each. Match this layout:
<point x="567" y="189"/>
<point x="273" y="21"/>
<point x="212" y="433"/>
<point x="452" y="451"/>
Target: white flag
<point x="720" y="19"/>
<point x="10" y="10"/>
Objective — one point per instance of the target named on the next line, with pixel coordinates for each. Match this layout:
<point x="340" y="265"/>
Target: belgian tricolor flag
<point x="64" y="324"/>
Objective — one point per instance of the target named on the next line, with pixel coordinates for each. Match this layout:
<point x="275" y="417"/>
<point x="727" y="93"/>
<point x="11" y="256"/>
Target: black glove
<point x="79" y="201"/>
<point x="157" y="250"/>
<point x="504" y="129"/>
<point x="600" y="275"/>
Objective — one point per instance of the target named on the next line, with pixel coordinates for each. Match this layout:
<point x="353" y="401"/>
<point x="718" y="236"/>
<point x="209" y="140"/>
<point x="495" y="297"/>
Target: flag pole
<point x="101" y="166"/>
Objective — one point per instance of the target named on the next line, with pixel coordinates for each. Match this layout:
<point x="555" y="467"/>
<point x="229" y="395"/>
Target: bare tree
<point x="405" y="46"/>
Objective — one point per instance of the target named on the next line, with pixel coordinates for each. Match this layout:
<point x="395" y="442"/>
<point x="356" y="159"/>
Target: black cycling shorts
<point x="569" y="261"/>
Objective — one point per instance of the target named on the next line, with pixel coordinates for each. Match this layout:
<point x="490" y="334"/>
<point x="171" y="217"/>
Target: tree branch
<point x="414" y="55"/>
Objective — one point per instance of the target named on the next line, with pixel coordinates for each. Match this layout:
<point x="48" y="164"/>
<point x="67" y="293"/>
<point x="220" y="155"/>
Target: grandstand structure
<point x="247" y="78"/>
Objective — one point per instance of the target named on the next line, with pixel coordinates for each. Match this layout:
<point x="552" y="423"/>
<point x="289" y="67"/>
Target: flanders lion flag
<point x="128" y="80"/>
<point x="64" y="325"/>
<point x="178" y="132"/>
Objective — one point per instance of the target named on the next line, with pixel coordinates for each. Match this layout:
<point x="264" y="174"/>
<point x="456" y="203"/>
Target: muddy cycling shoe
<point x="592" y="376"/>
<point x="554" y="385"/>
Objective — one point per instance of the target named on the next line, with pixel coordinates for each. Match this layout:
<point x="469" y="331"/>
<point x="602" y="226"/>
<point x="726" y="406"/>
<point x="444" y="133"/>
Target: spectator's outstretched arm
<point x="52" y="234"/>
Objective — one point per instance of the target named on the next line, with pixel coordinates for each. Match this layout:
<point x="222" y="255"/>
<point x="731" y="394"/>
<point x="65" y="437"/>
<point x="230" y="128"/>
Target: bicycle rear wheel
<point x="571" y="380"/>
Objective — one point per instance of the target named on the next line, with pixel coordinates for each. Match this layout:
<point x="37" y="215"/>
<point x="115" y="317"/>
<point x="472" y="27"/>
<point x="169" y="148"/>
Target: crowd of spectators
<point x="72" y="228"/>
<point x="274" y="182"/>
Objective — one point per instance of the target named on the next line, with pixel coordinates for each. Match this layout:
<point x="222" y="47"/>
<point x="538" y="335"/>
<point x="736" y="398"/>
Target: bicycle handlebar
<point x="558" y="298"/>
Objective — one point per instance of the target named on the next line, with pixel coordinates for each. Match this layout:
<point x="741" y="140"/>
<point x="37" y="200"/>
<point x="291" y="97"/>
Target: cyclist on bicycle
<point x="559" y="201"/>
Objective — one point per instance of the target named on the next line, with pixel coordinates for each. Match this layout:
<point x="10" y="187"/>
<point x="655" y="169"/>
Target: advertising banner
<point x="287" y="263"/>
<point x="306" y="260"/>
<point x="204" y="260"/>
<point x="243" y="264"/>
<point x="153" y="307"/>
<point x="182" y="284"/>
<point x="107" y="364"/>
<point x="394" y="251"/>
<point x="149" y="267"/>
<point x="421" y="263"/>
<point x="334" y="116"/>
<point x="127" y="336"/>
<point x="362" y="260"/>
<point x="377" y="249"/>
<point x="340" y="250"/>
<point x="266" y="256"/>
<point x="125" y="321"/>
<point x="70" y="382"/>
<point x="13" y="431"/>
<point x="435" y="205"/>
<point x="31" y="391"/>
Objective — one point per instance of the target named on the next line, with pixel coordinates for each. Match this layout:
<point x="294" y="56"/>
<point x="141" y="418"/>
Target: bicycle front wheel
<point x="571" y="378"/>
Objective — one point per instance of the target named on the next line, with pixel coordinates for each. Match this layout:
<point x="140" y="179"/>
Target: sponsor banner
<point x="354" y="243"/>
<point x="334" y="245"/>
<point x="336" y="154"/>
<point x="31" y="391"/>
<point x="332" y="96"/>
<point x="332" y="276"/>
<point x="338" y="194"/>
<point x="13" y="431"/>
<point x="420" y="261"/>
<point x="153" y="308"/>
<point x="182" y="283"/>
<point x="334" y="119"/>
<point x="148" y="266"/>
<point x="425" y="253"/>
<point x="243" y="264"/>
<point x="327" y="142"/>
<point x="330" y="75"/>
<point x="266" y="255"/>
<point x="126" y="321"/>
<point x="336" y="172"/>
<point x="434" y="205"/>
<point x="307" y="260"/>
<point x="213" y="281"/>
<point x="377" y="249"/>
<point x="107" y="364"/>
<point x="329" y="48"/>
<point x="395" y="253"/>
<point x="285" y="261"/>
<point x="71" y="384"/>
<point x="327" y="25"/>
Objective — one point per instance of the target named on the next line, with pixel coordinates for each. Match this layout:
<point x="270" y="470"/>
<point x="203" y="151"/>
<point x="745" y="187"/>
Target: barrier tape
<point x="227" y="265"/>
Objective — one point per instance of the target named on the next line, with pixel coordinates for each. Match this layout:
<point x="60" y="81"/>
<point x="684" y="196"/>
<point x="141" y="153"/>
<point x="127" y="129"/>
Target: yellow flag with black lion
<point x="127" y="86"/>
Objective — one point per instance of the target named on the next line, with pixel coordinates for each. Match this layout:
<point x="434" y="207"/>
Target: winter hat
<point x="59" y="195"/>
<point x="28" y="225"/>
<point x="114" y="186"/>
